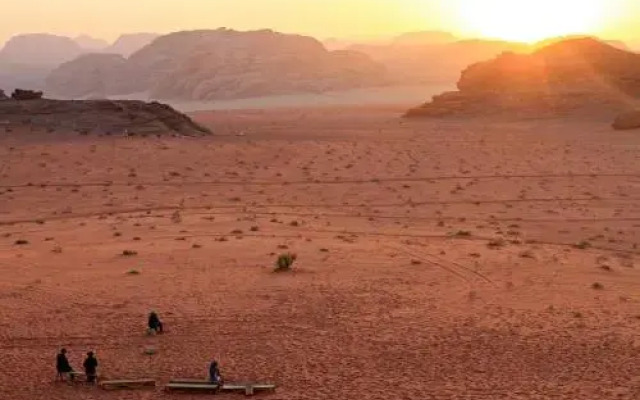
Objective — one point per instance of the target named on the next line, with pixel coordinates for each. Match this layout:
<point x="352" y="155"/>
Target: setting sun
<point x="530" y="21"/>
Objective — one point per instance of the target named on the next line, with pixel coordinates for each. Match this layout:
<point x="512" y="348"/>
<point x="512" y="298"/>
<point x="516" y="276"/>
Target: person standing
<point x="91" y="367"/>
<point x="214" y="373"/>
<point x="62" y="366"/>
<point x="154" y="323"/>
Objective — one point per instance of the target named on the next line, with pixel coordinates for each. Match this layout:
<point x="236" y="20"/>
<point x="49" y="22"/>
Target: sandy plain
<point x="437" y="259"/>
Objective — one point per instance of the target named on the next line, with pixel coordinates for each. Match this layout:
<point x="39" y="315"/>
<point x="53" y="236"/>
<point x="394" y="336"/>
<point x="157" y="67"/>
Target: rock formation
<point x="128" y="44"/>
<point x="224" y="64"/>
<point x="563" y="77"/>
<point x="88" y="75"/>
<point x="433" y="57"/>
<point x="99" y="116"/>
<point x="39" y="49"/>
<point x="23" y="95"/>
<point x="627" y="120"/>
<point x="3" y="96"/>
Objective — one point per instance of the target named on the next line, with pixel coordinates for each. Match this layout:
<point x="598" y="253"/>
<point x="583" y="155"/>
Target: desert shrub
<point x="129" y="253"/>
<point x="496" y="243"/>
<point x="582" y="245"/>
<point x="133" y="272"/>
<point x="462" y="234"/>
<point x="21" y="242"/>
<point x="285" y="262"/>
<point x="597" y="286"/>
<point x="526" y="254"/>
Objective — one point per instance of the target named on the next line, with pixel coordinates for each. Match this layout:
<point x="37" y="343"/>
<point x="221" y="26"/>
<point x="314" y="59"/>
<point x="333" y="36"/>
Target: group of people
<point x="65" y="371"/>
<point x="90" y="364"/>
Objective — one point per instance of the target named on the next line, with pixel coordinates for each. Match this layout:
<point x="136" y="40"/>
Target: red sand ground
<point x="386" y="300"/>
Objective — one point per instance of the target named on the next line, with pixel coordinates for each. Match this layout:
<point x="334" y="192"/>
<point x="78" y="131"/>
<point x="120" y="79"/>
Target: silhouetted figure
<point x="154" y="322"/>
<point x="62" y="366"/>
<point x="214" y="373"/>
<point x="91" y="367"/>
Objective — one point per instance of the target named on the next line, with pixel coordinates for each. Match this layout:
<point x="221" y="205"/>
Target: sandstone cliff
<point x="224" y="64"/>
<point x="563" y="77"/>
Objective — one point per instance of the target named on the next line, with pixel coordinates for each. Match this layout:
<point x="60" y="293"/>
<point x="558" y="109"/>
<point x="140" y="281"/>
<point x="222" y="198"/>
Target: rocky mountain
<point x="562" y="77"/>
<point x="87" y="75"/>
<point x="223" y="64"/>
<point x="128" y="44"/>
<point x="433" y="57"/>
<point x="39" y="49"/>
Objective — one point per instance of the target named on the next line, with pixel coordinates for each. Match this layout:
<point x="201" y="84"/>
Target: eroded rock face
<point x="99" y="116"/>
<point x="88" y="75"/>
<point x="628" y="120"/>
<point x="225" y="64"/>
<point x="564" y="77"/>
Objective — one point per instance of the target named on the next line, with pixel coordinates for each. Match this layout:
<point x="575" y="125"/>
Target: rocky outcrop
<point x="561" y="78"/>
<point x="433" y="57"/>
<point x="99" y="116"/>
<point x="226" y="64"/>
<point x="39" y="49"/>
<point x="628" y="120"/>
<point x="128" y="44"/>
<point x="88" y="75"/>
<point x="23" y="95"/>
<point x="3" y="96"/>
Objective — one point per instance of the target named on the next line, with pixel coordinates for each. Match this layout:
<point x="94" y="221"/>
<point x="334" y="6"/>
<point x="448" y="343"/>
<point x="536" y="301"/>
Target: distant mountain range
<point x="227" y="64"/>
<point x="26" y="60"/>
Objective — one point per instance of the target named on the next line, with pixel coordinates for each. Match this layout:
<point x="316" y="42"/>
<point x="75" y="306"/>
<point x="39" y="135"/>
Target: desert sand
<point x="437" y="259"/>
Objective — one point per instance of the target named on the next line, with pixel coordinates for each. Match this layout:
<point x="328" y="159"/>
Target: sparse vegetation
<point x="21" y="242"/>
<point x="133" y="272"/>
<point x="582" y="245"/>
<point x="597" y="286"/>
<point x="496" y="243"/>
<point x="129" y="253"/>
<point x="285" y="262"/>
<point x="462" y="234"/>
<point x="526" y="254"/>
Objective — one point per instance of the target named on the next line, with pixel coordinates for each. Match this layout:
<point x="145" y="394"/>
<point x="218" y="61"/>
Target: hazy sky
<point x="322" y="18"/>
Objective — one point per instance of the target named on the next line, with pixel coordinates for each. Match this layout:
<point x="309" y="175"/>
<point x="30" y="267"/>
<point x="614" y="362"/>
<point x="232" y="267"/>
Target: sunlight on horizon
<point x="533" y="21"/>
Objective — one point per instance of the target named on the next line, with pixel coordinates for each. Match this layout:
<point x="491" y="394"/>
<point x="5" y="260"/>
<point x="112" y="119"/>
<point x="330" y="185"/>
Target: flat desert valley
<point x="436" y="259"/>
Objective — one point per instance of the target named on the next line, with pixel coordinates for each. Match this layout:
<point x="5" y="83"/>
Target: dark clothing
<point x="90" y="368"/>
<point x="62" y="364"/>
<point x="214" y="373"/>
<point x="155" y="323"/>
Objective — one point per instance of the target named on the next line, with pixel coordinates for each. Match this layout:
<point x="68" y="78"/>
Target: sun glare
<point x="530" y="20"/>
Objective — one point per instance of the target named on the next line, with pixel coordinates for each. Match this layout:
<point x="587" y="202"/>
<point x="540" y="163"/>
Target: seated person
<point x="154" y="322"/>
<point x="62" y="366"/>
<point x="214" y="373"/>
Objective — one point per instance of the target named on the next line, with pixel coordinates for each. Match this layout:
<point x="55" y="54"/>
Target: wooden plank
<point x="187" y="380"/>
<point x="191" y="386"/>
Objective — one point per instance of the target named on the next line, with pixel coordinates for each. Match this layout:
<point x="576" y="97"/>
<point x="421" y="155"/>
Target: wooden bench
<point x="128" y="384"/>
<point x="196" y="385"/>
<point x="249" y="388"/>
